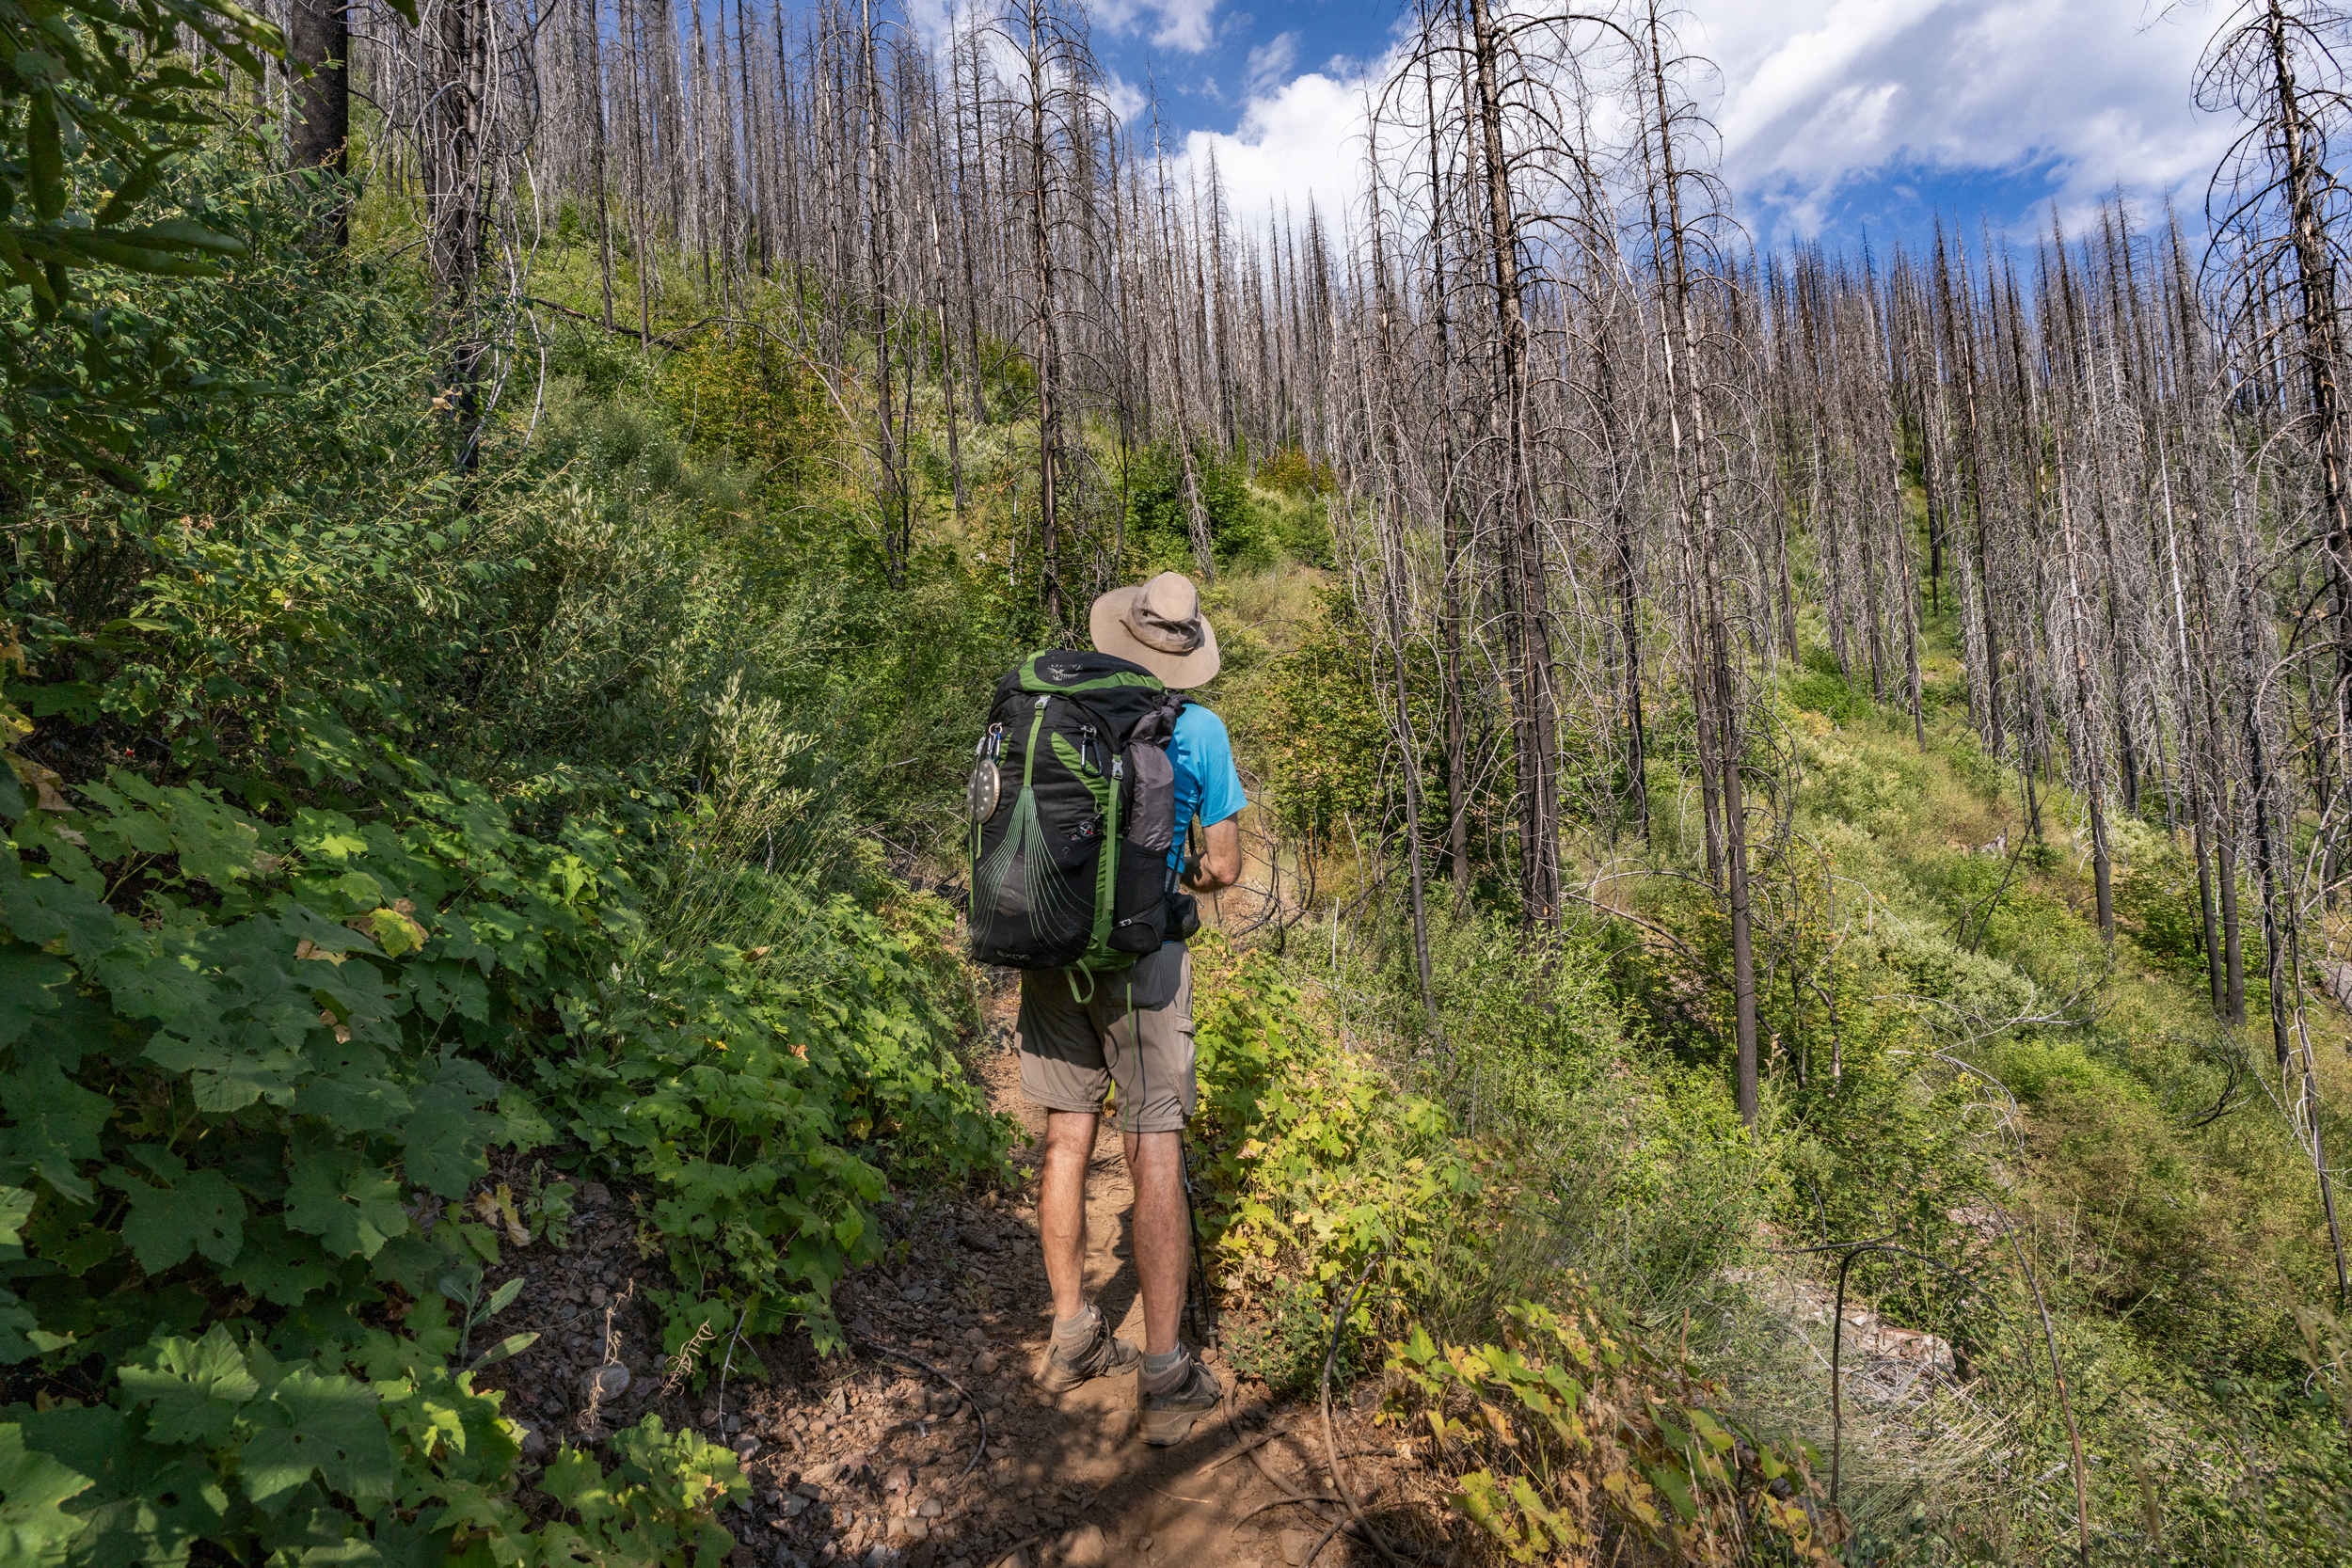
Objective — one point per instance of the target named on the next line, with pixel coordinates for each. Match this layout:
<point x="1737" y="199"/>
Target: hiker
<point x="1135" y="1033"/>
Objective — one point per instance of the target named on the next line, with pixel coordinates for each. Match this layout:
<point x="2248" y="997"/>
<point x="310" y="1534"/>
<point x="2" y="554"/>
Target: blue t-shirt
<point x="1206" y="780"/>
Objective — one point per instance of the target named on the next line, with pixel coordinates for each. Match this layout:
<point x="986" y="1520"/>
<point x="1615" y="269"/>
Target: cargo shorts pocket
<point x="1153" y="981"/>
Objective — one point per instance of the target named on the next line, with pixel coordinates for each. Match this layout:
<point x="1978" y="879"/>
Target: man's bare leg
<point x="1083" y="1345"/>
<point x="1163" y="1243"/>
<point x="1176" y="1390"/>
<point x="1061" y="1208"/>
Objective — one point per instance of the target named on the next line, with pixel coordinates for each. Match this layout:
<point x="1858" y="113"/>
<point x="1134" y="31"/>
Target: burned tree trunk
<point x="318" y="48"/>
<point x="1527" y="589"/>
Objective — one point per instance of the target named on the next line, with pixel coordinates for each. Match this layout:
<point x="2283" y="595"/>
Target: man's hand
<point x="1220" y="866"/>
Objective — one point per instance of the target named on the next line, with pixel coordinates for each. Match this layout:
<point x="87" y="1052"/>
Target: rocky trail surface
<point x="932" y="1447"/>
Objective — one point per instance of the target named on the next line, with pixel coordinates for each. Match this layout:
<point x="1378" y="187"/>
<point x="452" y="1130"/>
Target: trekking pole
<point x="1199" y="1268"/>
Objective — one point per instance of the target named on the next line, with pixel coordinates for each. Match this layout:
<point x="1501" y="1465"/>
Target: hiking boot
<point x="1102" y="1357"/>
<point x="1168" y="1417"/>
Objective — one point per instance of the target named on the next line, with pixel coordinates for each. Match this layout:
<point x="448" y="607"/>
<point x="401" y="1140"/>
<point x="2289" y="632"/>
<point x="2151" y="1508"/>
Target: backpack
<point x="1073" y="807"/>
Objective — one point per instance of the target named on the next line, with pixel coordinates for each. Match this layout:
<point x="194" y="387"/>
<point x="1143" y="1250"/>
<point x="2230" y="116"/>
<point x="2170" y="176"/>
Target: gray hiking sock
<point x="1164" y="1374"/>
<point x="1076" y="1332"/>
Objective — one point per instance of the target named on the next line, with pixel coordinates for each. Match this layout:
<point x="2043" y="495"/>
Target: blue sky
<point x="1840" y="118"/>
<point x="1210" y="60"/>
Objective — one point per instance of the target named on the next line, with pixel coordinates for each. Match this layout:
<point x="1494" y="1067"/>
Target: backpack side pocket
<point x="1139" y="904"/>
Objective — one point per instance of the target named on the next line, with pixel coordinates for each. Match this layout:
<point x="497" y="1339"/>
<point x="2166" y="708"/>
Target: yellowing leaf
<point x="394" y="930"/>
<point x="45" y="783"/>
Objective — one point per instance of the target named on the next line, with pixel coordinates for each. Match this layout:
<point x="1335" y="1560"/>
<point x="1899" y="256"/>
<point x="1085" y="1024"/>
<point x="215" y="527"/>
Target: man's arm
<point x="1220" y="866"/>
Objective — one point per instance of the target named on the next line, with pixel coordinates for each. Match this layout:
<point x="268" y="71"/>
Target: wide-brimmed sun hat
<point x="1158" y="626"/>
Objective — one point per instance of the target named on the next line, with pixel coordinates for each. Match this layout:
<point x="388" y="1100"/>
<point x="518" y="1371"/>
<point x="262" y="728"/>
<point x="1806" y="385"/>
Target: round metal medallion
<point x="986" y="792"/>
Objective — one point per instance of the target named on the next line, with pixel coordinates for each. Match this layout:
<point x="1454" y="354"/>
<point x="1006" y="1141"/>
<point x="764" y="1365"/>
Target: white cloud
<point x="1300" y="141"/>
<point x="1125" y="98"/>
<point x="1184" y="24"/>
<point x="1816" y="97"/>
<point x="1270" y="64"/>
<point x="1820" y="93"/>
<point x="1188" y="26"/>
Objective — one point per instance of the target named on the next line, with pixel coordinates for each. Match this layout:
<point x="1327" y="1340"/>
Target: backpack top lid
<point x="1066" y="672"/>
<point x="1110" y="692"/>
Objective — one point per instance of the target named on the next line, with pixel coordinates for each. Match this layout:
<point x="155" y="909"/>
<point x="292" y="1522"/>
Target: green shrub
<point x="1328" y="1174"/>
<point x="245" y="1059"/>
<point x="1159" y="518"/>
<point x="1284" y="1348"/>
<point x="1628" y="1168"/>
<point x="1576" y="1439"/>
<point x="1311" y="723"/>
<point x="235" y="1089"/>
<point x="748" y="394"/>
<point x="2156" y="900"/>
<point x="1821" y="687"/>
<point x="362" y="823"/>
<point x="1291" y="472"/>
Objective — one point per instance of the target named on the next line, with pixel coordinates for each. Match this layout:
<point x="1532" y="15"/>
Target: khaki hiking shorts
<point x="1072" y="1051"/>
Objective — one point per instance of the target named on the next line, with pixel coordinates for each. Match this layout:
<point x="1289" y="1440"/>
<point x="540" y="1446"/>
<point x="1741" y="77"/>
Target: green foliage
<point x="97" y="106"/>
<point x="1285" y="1347"/>
<point x="1576" y="1439"/>
<point x="223" y="1098"/>
<point x="1329" y="1173"/>
<point x="1821" y="687"/>
<point x="757" y="396"/>
<point x="1850" y="779"/>
<point x="104" y="101"/>
<point x="654" y="1507"/>
<point x="1159" y="519"/>
<point x="730" y="1086"/>
<point x="1951" y="1057"/>
<point x="2206" y="1503"/>
<point x="1291" y="471"/>
<point x="1249" y="526"/>
<point x="381" y="824"/>
<point x="1631" y="1169"/>
<point x="1314" y="727"/>
<point x="738" y="1092"/>
<point x="228" y="1443"/>
<point x="2156" y="900"/>
<point x="1965" y="756"/>
<point x="1293" y="524"/>
<point x="1007" y="374"/>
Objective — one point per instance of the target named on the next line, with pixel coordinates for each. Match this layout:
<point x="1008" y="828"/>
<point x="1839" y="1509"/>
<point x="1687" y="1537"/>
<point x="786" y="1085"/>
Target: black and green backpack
<point x="1073" y="811"/>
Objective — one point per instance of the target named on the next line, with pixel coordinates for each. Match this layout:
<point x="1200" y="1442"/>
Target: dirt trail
<point x="1062" y="1483"/>
<point x="872" y="1461"/>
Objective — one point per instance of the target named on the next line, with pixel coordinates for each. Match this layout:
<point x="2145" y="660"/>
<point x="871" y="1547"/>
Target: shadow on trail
<point x="872" y="1461"/>
<point x="886" y="1476"/>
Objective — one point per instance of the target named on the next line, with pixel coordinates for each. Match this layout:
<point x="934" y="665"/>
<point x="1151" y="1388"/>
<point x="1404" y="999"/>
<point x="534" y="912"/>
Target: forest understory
<point x="1790" y="995"/>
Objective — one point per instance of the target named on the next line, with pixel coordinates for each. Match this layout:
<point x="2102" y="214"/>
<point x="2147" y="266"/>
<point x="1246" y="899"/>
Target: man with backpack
<point x="1077" y="874"/>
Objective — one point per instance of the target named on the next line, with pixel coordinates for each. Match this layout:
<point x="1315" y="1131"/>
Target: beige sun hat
<point x="1158" y="626"/>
